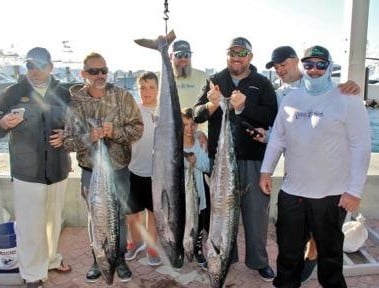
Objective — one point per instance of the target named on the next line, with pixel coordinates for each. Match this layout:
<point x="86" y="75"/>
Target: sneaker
<point x="204" y="266"/>
<point x="35" y="284"/>
<point x="123" y="271"/>
<point x="133" y="249"/>
<point x="93" y="274"/>
<point x="201" y="260"/>
<point x="266" y="273"/>
<point x="153" y="258"/>
<point x="309" y="266"/>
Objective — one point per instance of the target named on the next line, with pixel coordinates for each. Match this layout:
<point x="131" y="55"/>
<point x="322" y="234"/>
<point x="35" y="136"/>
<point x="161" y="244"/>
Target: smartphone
<point x="18" y="111"/>
<point x="250" y="127"/>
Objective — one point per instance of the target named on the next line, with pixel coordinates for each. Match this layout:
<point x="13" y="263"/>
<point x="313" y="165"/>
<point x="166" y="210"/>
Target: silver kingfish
<point x="104" y="213"/>
<point x="225" y="204"/>
<point x="192" y="214"/>
<point x="168" y="167"/>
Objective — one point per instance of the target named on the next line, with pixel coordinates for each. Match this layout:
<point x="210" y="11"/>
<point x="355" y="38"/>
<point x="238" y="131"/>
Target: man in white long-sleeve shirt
<point x="326" y="140"/>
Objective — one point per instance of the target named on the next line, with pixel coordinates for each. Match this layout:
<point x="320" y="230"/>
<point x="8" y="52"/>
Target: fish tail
<point x="157" y="43"/>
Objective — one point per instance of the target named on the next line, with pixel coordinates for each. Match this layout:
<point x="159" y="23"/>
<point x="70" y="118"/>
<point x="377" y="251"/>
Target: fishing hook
<point x="165" y="13"/>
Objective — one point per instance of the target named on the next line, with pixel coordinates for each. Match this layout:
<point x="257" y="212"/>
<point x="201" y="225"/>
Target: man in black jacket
<point x="32" y="111"/>
<point x="253" y="99"/>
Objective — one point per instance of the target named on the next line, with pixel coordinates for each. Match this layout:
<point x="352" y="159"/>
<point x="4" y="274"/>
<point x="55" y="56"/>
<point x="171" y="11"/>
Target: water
<point x="373" y="115"/>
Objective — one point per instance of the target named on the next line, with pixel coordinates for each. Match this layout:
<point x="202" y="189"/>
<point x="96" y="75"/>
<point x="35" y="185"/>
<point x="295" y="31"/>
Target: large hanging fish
<point x="168" y="167"/>
<point x="104" y="210"/>
<point x="225" y="207"/>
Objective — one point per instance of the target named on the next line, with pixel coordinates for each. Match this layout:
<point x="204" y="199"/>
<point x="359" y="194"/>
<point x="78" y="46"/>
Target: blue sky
<point x="109" y="27"/>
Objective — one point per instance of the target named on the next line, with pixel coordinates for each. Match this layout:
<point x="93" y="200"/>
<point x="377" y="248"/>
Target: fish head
<point x="216" y="271"/>
<point x="176" y="256"/>
<point x="107" y="270"/>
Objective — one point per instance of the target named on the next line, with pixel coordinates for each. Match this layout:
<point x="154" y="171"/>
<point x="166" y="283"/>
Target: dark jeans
<point x="296" y="217"/>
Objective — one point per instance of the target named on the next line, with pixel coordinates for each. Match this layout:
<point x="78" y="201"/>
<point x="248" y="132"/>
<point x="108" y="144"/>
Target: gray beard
<point x="183" y="72"/>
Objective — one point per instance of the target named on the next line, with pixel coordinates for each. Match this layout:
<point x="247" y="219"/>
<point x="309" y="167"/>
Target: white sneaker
<point x="133" y="249"/>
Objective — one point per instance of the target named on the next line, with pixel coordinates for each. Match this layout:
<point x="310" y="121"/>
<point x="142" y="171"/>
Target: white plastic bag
<point x="355" y="234"/>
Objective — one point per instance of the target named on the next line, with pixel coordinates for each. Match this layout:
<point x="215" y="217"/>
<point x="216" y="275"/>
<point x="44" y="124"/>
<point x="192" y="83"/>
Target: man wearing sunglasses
<point x="286" y="64"/>
<point x="326" y="140"/>
<point x="118" y="121"/>
<point x="253" y="100"/>
<point x="188" y="79"/>
<point x="32" y="111"/>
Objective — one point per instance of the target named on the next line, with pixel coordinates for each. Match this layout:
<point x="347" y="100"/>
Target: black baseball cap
<point x="181" y="46"/>
<point x="281" y="54"/>
<point x="240" y="42"/>
<point x="316" y="52"/>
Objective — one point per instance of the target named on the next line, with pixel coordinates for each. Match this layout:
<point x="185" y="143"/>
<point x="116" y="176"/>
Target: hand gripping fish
<point x="225" y="204"/>
<point x="168" y="167"/>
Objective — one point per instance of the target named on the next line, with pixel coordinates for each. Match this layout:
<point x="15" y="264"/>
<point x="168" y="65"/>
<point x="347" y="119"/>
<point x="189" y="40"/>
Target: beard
<point x="238" y="71"/>
<point x="183" y="72"/>
<point x="97" y="84"/>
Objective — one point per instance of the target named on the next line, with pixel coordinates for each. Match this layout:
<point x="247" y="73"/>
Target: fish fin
<point x="215" y="248"/>
<point x="154" y="43"/>
<point x="170" y="37"/>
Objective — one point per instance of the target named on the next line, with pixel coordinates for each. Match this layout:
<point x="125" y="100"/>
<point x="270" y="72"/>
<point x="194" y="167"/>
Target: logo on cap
<point x="181" y="45"/>
<point x="317" y="52"/>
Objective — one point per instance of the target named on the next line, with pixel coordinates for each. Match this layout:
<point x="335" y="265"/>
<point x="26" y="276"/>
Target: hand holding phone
<point x="18" y="112"/>
<point x="253" y="131"/>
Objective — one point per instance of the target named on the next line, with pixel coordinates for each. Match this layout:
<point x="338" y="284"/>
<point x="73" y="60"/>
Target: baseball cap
<point x="38" y="54"/>
<point x="280" y="54"/>
<point x="240" y="42"/>
<point x="181" y="46"/>
<point x="316" y="52"/>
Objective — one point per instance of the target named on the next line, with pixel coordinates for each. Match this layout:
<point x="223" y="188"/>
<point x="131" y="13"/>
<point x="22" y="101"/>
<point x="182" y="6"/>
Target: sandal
<point x="62" y="268"/>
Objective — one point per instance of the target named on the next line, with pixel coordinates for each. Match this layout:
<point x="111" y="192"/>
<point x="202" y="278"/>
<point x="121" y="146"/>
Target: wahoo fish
<point x="225" y="207"/>
<point x="103" y="208"/>
<point x="192" y="214"/>
<point x="168" y="162"/>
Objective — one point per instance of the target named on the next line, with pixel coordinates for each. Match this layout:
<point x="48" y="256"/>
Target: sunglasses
<point x="36" y="65"/>
<point x="320" y="65"/>
<point x="182" y="54"/>
<point x="240" y="54"/>
<point x="96" y="71"/>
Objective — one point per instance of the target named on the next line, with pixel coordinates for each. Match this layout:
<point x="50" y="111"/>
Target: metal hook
<point x="165" y="13"/>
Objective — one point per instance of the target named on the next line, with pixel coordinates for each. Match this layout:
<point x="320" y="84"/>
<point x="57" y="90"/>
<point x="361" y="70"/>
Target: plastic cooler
<point x="8" y="253"/>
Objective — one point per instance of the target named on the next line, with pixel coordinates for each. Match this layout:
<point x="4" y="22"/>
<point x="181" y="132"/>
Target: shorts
<point x="141" y="195"/>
